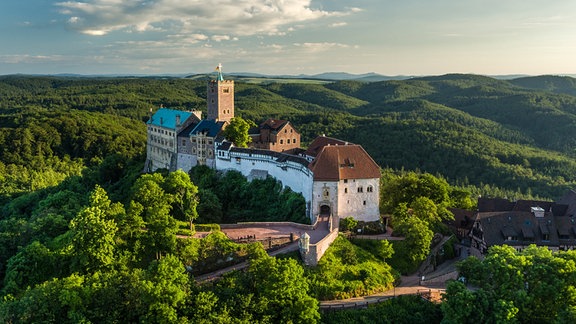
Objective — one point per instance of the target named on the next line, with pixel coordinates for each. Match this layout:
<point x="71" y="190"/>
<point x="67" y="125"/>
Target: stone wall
<point x="316" y="251"/>
<point x="291" y="174"/>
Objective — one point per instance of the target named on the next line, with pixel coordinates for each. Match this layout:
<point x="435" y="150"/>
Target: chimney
<point x="537" y="211"/>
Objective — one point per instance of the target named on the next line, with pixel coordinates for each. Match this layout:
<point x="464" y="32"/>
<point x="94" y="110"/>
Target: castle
<point x="335" y="177"/>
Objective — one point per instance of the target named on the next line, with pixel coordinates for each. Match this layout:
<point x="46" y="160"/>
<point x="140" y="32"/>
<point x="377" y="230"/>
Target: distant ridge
<point x="552" y="83"/>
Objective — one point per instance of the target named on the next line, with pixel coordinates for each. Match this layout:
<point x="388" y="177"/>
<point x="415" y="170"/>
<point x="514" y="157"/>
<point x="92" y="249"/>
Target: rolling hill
<point x="517" y="134"/>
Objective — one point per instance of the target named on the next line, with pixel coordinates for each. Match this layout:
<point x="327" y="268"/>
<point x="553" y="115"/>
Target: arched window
<point x="369" y="189"/>
<point x="281" y="141"/>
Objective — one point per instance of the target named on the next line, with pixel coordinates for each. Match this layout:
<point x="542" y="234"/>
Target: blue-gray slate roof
<point x="211" y="127"/>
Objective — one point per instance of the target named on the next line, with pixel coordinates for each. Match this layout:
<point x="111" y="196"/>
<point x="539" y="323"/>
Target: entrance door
<point x="324" y="210"/>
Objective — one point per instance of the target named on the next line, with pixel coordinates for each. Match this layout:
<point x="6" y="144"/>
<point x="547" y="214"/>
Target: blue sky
<point x="390" y="37"/>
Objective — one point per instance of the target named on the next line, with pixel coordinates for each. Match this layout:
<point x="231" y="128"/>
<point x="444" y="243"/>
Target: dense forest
<point x="517" y="136"/>
<point x="86" y="237"/>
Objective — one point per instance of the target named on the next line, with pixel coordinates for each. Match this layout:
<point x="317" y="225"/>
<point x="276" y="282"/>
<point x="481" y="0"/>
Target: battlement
<point x="222" y="81"/>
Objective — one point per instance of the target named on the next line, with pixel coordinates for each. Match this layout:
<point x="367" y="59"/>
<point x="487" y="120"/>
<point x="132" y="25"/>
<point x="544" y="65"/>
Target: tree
<point x="535" y="285"/>
<point x="279" y="290"/>
<point x="410" y="187"/>
<point x="183" y="195"/>
<point x="237" y="131"/>
<point x="418" y="237"/>
<point x="148" y="192"/>
<point x="32" y="265"/>
<point x="93" y="241"/>
<point x="165" y="289"/>
<point x="348" y="223"/>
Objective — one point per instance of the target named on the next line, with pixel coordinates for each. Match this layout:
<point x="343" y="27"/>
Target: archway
<point x="325" y="210"/>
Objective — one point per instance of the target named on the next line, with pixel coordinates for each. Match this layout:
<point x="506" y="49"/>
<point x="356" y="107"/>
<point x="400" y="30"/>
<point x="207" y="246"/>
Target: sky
<point x="278" y="37"/>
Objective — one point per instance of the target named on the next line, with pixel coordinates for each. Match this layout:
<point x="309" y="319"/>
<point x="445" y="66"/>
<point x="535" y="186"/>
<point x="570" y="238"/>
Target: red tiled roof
<point x="274" y="124"/>
<point x="319" y="142"/>
<point x="336" y="162"/>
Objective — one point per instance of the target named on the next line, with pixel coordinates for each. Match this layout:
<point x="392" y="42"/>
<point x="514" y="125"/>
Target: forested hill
<point x="518" y="134"/>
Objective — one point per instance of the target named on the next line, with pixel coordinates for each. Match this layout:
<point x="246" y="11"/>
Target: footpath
<point x="217" y="274"/>
<point x="410" y="285"/>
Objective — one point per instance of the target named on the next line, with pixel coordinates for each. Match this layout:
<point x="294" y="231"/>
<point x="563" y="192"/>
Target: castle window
<point x="369" y="189"/>
<point x="360" y="189"/>
<point x="345" y="190"/>
<point x="226" y="90"/>
<point x="183" y="142"/>
<point x="281" y="141"/>
<point x="364" y="203"/>
<point x="345" y="180"/>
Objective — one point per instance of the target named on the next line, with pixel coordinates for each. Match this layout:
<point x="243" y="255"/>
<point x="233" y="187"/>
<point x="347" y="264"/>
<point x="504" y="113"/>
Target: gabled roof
<point x="319" y="142"/>
<point x="494" y="204"/>
<point x="185" y="132"/>
<point x="523" y="226"/>
<point x="526" y="205"/>
<point x="210" y="127"/>
<point x="569" y="200"/>
<point x="336" y="162"/>
<point x="273" y="124"/>
<point x="463" y="218"/>
<point x="166" y="118"/>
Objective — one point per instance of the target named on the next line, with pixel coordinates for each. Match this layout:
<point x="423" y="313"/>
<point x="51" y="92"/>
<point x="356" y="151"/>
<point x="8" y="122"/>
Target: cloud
<point x="320" y="47"/>
<point x="339" y="24"/>
<point x="31" y="59"/>
<point x="228" y="17"/>
<point x="220" y="38"/>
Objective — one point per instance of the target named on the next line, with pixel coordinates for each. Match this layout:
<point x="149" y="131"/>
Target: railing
<point x="428" y="294"/>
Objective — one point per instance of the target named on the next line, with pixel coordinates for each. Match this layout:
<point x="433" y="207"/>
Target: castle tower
<point x="220" y="98"/>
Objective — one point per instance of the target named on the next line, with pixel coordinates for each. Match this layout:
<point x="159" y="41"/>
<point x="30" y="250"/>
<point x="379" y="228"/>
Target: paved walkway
<point x="410" y="286"/>
<point x="263" y="232"/>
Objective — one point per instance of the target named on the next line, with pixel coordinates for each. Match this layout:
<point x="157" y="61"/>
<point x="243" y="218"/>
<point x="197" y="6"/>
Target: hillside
<point x="518" y="134"/>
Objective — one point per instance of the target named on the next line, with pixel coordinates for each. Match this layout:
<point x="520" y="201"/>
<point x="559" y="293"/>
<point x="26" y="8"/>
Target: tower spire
<point x="219" y="69"/>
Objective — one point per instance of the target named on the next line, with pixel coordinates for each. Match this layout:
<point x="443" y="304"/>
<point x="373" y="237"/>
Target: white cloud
<point x="319" y="47"/>
<point x="232" y="17"/>
<point x="220" y="38"/>
<point x="339" y="24"/>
